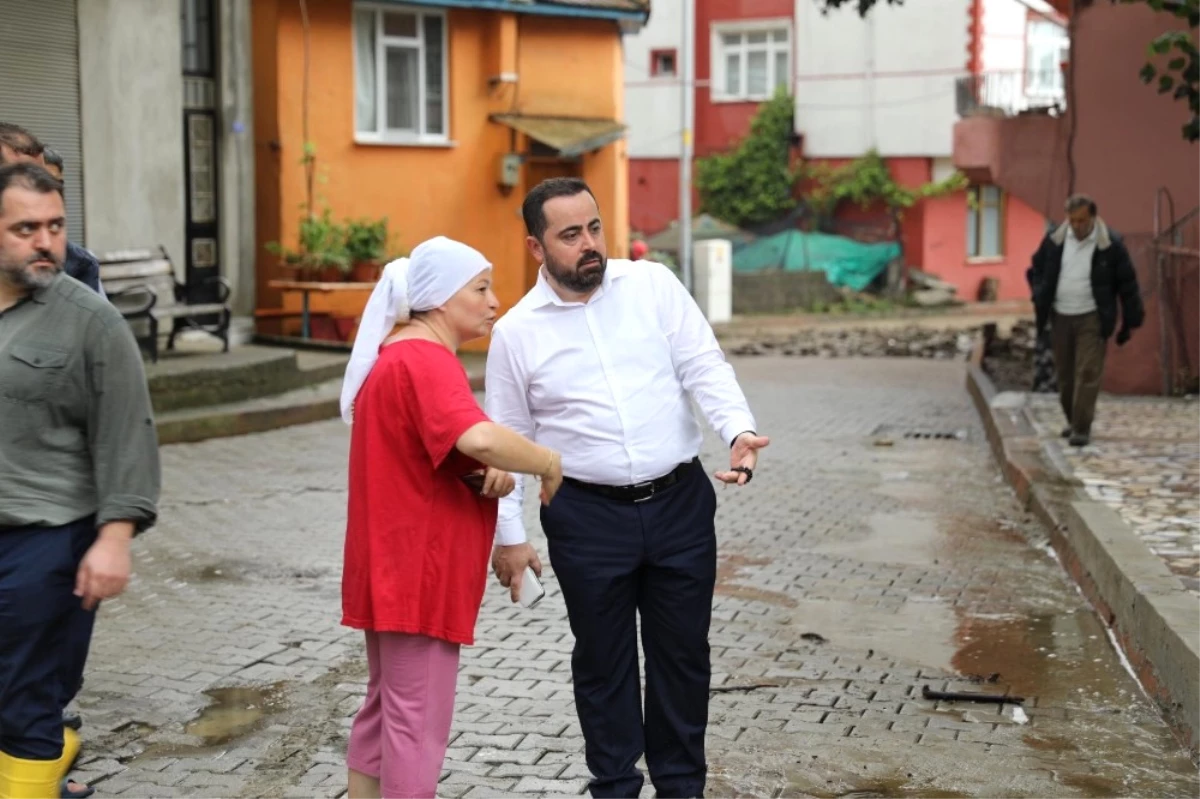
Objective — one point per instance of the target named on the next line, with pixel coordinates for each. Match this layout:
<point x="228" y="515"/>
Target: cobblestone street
<point x="1144" y="462"/>
<point x="878" y="551"/>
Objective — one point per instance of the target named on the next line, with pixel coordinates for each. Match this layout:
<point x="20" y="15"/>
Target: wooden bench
<point x="142" y="286"/>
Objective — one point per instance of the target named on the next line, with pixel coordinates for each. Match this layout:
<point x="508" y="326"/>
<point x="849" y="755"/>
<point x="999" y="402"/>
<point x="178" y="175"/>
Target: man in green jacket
<point x="79" y="475"/>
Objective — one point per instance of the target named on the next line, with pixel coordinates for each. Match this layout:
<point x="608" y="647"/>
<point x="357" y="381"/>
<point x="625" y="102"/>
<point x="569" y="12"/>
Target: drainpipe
<point x="687" y="113"/>
<point x="1072" y="107"/>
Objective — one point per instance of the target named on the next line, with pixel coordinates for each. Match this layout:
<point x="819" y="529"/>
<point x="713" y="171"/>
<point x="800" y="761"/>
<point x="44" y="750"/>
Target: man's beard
<point x="25" y="276"/>
<point x="574" y="278"/>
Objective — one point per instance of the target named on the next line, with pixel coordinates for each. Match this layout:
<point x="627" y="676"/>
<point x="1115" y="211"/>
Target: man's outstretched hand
<point x="743" y="457"/>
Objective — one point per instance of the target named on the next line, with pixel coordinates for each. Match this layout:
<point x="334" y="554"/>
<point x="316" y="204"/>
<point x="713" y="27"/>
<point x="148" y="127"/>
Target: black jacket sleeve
<point x="1036" y="276"/>
<point x="1132" y="312"/>
<point x="83" y="266"/>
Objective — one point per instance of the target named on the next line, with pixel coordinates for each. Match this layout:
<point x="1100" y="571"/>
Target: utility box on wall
<point x="510" y="170"/>
<point x="712" y="270"/>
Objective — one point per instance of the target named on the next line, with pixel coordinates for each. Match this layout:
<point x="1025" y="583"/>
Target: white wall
<point x="914" y="51"/>
<point x="132" y="120"/>
<point x="1003" y="35"/>
<point x="652" y="105"/>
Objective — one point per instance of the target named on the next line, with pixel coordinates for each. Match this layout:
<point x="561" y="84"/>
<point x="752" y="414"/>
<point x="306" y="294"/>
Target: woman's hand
<point x="497" y="483"/>
<point x="552" y="478"/>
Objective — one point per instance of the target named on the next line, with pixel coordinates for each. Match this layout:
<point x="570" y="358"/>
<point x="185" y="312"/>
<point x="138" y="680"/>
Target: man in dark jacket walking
<point x="1079" y="273"/>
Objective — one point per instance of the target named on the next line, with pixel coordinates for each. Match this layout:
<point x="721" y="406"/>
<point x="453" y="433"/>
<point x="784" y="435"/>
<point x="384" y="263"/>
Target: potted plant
<point x="321" y="254"/>
<point x="366" y="242"/>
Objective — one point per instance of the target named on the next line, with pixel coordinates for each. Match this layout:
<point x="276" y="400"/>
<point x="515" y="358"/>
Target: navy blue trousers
<point x="44" y="634"/>
<point x="615" y="560"/>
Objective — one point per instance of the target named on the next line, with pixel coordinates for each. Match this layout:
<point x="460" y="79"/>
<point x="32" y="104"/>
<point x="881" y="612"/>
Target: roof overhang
<point x="629" y="13"/>
<point x="570" y="136"/>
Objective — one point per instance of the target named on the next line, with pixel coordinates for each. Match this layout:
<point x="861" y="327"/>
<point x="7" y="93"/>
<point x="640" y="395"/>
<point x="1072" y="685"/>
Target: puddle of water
<point x="894" y="538"/>
<point x="731" y="569"/>
<point x="1054" y="656"/>
<point x="234" y="713"/>
<point x="918" y="633"/>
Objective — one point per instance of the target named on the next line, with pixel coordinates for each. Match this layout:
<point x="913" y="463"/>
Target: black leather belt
<point x="638" y="492"/>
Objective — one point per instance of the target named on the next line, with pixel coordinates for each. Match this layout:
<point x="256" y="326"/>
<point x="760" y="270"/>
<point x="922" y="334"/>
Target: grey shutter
<point x="39" y="86"/>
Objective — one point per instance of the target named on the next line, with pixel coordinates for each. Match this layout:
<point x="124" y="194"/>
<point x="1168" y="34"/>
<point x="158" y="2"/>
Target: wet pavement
<point x="877" y="553"/>
<point x="1144" y="462"/>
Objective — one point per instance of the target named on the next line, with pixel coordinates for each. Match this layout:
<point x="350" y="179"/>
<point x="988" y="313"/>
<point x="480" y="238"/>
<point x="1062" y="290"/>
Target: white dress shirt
<point x="1074" y="295"/>
<point x="606" y="382"/>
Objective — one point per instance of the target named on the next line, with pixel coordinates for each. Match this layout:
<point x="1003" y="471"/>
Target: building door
<point x="39" y="87"/>
<point x="537" y="169"/>
<point x="201" y="225"/>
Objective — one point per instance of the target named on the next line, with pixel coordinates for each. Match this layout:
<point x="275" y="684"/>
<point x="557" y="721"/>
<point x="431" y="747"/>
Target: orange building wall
<point x="426" y="190"/>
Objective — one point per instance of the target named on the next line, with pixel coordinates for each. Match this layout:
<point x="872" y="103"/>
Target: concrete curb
<point x="1151" y="614"/>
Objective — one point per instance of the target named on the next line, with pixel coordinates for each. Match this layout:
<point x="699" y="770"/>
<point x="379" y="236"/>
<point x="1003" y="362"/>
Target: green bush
<point x="753" y="184"/>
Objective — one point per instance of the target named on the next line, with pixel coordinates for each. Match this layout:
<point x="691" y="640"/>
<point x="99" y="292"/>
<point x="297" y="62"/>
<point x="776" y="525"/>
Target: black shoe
<point x="1066" y="432"/>
<point x="72" y="720"/>
<point x="1079" y="440"/>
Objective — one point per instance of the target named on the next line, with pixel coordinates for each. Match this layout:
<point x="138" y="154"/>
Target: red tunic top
<point x="418" y="539"/>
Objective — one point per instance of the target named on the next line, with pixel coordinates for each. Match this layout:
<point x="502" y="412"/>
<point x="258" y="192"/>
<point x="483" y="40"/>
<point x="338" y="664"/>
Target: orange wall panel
<point x="427" y="191"/>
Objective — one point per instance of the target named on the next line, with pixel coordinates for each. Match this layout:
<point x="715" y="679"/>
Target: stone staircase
<point x="247" y="390"/>
<point x="202" y="394"/>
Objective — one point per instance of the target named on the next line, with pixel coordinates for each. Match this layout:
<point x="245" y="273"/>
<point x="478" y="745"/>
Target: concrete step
<point x="311" y="403"/>
<point x="315" y="401"/>
<point x="203" y="379"/>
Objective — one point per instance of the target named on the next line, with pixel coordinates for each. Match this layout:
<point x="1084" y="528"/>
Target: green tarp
<point x="844" y="261"/>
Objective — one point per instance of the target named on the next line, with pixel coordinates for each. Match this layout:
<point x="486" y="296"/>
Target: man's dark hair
<point x="1077" y="201"/>
<point x="30" y="176"/>
<point x="19" y="140"/>
<point x="52" y="158"/>
<point x="534" y="207"/>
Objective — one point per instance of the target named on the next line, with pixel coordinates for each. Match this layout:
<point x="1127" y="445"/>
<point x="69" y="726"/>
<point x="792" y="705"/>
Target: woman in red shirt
<point x="418" y="537"/>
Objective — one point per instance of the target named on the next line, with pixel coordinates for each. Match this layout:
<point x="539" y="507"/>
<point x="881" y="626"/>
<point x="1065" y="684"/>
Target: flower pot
<point x="330" y="274"/>
<point x="365" y="272"/>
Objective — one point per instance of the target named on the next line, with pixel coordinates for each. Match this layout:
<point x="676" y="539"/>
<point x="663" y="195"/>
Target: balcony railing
<point x="1010" y="93"/>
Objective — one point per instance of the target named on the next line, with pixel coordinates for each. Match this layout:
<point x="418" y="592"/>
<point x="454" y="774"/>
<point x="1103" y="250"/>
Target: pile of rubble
<point x="908" y="342"/>
<point x="1009" y="360"/>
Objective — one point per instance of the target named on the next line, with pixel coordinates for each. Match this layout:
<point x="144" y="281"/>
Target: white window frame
<point x="1039" y="39"/>
<point x="976" y="209"/>
<point x="382" y="135"/>
<point x="718" y="51"/>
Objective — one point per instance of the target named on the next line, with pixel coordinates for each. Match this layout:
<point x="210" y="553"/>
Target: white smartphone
<point x="531" y="589"/>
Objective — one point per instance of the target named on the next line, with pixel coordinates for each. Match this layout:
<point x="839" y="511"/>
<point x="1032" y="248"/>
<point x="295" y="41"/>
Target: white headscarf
<point x="435" y="272"/>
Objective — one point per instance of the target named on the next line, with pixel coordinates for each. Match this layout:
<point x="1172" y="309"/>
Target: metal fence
<point x="1010" y="93"/>
<point x="1176" y="251"/>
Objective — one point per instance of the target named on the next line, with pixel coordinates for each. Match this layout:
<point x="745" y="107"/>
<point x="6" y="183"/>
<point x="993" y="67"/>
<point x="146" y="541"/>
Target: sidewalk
<point x="1123" y="514"/>
<point x="1144" y="463"/>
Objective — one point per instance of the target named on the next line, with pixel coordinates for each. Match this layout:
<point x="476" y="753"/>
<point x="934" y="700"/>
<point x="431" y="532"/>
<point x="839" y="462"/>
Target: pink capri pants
<point x="401" y="733"/>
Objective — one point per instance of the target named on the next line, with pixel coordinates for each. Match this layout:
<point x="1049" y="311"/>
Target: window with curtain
<point x="400" y="91"/>
<point x="749" y="62"/>
<point x="985" y="222"/>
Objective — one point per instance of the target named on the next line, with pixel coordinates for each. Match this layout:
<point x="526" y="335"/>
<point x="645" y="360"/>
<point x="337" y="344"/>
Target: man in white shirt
<point x="599" y="360"/>
<point x="1078" y="274"/>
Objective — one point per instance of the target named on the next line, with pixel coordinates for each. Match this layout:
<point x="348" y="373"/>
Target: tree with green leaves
<point x="753" y="184"/>
<point x="1179" y="76"/>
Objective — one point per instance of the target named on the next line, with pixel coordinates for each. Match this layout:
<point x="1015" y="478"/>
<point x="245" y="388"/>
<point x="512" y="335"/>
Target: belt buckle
<point x="647" y="484"/>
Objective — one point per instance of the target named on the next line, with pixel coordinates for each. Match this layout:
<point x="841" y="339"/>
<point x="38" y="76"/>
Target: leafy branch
<point x="1181" y="75"/>
<point x="866" y="181"/>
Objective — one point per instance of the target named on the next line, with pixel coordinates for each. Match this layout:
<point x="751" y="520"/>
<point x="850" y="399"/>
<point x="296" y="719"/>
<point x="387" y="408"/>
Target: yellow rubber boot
<point x="37" y="779"/>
